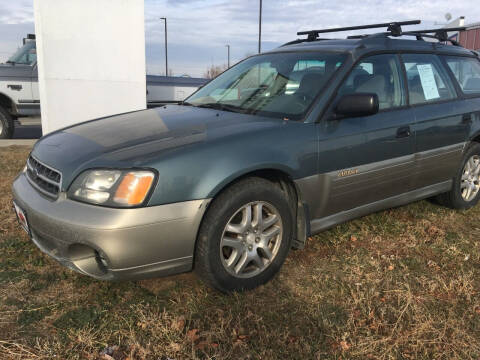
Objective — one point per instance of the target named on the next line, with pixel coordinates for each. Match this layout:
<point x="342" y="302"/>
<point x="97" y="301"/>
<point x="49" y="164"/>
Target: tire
<point x="7" y="126"/>
<point x="216" y="263"/>
<point x="456" y="198"/>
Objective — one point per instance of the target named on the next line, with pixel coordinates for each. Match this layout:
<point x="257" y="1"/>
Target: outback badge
<point x="349" y="172"/>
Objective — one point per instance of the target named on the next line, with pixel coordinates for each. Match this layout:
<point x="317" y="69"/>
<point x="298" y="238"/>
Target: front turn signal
<point x="134" y="188"/>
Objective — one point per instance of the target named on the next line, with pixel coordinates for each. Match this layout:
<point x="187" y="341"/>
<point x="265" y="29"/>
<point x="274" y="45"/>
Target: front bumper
<point x="108" y="243"/>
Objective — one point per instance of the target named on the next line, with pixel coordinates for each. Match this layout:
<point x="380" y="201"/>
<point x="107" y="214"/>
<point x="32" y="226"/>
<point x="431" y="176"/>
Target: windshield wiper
<point x="222" y="107"/>
<point x="10" y="62"/>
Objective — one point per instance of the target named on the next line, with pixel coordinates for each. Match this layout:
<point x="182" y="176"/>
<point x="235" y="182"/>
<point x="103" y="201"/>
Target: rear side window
<point x="378" y="74"/>
<point x="427" y="79"/>
<point x="467" y="73"/>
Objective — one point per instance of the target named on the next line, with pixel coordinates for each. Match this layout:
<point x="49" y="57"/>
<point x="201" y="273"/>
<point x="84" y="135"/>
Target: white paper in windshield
<point x="429" y="84"/>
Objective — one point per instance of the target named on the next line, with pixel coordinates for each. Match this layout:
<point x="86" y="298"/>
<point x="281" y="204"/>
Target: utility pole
<point x="166" y="46"/>
<point x="260" y="29"/>
<point x="228" y="52"/>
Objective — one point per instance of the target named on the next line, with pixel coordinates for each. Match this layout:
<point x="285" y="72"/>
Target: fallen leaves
<point x="344" y="345"/>
<point x="178" y="323"/>
<point x="341" y="346"/>
<point x="195" y="337"/>
<point x="192" y="335"/>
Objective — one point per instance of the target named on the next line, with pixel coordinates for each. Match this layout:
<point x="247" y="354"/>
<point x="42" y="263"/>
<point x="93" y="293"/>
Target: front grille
<point x="44" y="178"/>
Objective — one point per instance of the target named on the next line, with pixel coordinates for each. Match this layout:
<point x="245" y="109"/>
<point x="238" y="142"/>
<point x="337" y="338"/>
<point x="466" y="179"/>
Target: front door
<point x="366" y="159"/>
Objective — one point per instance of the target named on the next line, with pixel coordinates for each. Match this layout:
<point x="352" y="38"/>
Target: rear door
<point x="370" y="158"/>
<point x="466" y="74"/>
<point x="439" y="126"/>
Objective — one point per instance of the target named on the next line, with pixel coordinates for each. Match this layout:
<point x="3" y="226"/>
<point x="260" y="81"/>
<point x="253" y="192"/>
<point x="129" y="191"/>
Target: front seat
<point x="377" y="85"/>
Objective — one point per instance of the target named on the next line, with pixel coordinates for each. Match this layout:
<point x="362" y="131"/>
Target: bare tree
<point x="214" y="70"/>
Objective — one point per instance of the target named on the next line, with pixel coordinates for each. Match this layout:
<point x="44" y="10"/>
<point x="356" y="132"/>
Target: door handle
<point x="467" y="118"/>
<point x="403" y="132"/>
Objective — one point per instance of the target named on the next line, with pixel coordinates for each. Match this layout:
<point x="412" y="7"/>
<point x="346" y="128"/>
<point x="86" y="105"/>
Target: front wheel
<point x="245" y="236"/>
<point x="466" y="184"/>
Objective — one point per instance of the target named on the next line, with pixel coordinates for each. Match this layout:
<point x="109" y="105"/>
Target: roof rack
<point x="440" y="34"/>
<point x="395" y="28"/>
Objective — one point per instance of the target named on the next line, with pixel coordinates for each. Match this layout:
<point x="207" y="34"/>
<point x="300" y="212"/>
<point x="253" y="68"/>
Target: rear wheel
<point x="6" y="124"/>
<point x="466" y="184"/>
<point x="245" y="236"/>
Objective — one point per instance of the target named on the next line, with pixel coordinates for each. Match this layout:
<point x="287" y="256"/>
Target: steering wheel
<point x="301" y="101"/>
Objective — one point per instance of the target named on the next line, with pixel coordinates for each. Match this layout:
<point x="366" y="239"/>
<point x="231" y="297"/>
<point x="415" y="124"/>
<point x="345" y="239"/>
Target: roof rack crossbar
<point x="440" y="34"/>
<point x="393" y="27"/>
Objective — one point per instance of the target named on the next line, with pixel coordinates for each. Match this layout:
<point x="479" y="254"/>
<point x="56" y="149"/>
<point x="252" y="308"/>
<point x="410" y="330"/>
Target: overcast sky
<point x="199" y="29"/>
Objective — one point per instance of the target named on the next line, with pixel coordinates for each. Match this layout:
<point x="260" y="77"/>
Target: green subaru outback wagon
<point x="281" y="146"/>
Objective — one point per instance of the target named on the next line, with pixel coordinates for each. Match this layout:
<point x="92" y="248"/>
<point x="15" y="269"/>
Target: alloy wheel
<point x="470" y="182"/>
<point x="251" y="239"/>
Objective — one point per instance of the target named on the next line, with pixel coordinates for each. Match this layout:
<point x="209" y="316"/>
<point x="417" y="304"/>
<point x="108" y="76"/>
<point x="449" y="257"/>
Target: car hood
<point x="139" y="138"/>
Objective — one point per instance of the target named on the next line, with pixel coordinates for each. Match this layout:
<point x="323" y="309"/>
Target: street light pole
<point x="166" y="46"/>
<point x="228" y="49"/>
<point x="260" y="29"/>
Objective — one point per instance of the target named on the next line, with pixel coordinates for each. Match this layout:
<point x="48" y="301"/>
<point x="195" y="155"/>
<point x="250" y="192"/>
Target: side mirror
<point x="355" y="105"/>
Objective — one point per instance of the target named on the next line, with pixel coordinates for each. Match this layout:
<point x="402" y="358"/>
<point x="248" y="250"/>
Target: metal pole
<point x="260" y="29"/>
<point x="166" y="46"/>
<point x="228" y="49"/>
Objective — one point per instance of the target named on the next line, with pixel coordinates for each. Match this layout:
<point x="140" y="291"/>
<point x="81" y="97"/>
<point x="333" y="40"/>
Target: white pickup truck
<point x="19" y="94"/>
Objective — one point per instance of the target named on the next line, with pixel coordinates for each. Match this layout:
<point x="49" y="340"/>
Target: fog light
<point x="101" y="260"/>
<point x="87" y="260"/>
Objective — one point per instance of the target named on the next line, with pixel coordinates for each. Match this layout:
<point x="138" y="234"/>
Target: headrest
<point x="375" y="84"/>
<point x="361" y="79"/>
<point x="311" y="83"/>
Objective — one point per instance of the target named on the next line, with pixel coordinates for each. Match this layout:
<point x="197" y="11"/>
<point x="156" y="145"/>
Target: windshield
<point x="282" y="85"/>
<point x="27" y="54"/>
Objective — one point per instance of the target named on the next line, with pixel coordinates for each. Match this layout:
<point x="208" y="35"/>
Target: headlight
<point x="113" y="188"/>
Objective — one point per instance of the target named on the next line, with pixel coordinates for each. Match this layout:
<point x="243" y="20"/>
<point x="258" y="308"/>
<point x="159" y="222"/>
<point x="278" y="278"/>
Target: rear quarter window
<point x="467" y="73"/>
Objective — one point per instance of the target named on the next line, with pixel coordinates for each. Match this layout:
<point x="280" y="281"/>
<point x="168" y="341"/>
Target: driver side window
<point x="378" y="74"/>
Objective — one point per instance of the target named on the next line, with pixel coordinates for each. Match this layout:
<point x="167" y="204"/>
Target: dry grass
<point x="400" y="284"/>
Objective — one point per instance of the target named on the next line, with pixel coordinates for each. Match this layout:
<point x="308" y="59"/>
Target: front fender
<point x="201" y="171"/>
